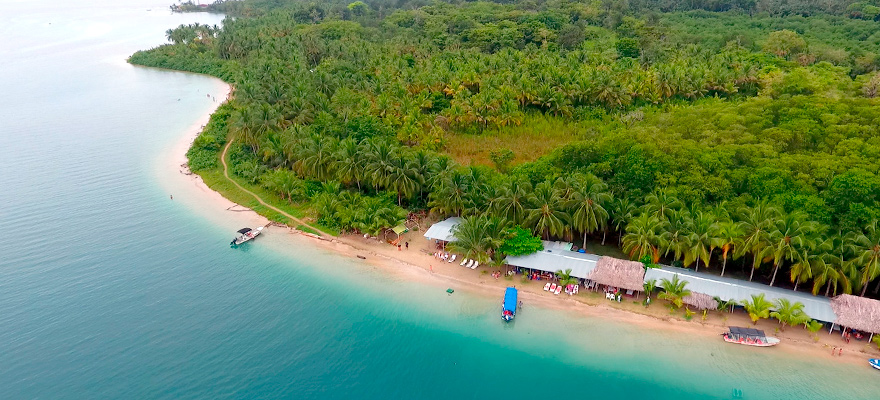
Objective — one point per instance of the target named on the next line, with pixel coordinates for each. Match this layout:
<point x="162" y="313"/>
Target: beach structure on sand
<point x="700" y="301"/>
<point x="621" y="274"/>
<point x="550" y="260"/>
<point x="856" y="312"/>
<point x="727" y="289"/>
<point x="442" y="230"/>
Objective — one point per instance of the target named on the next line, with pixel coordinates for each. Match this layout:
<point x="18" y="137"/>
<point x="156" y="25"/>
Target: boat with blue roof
<point x="508" y="307"/>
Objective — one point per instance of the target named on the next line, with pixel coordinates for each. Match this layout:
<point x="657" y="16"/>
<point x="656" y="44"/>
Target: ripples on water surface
<point x="110" y="290"/>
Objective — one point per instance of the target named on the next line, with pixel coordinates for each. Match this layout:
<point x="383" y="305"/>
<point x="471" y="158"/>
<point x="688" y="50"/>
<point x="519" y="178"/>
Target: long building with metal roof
<point x="554" y="260"/>
<point x="818" y="308"/>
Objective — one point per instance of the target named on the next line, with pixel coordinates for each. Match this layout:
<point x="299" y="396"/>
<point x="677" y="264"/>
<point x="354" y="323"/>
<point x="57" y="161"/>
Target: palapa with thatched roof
<point x="618" y="273"/>
<point x="700" y="301"/>
<point x="857" y="312"/>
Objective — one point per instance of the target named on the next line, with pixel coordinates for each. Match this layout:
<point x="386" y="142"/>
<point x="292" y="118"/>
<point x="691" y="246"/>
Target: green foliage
<point x="502" y="158"/>
<point x="693" y="137"/>
<point x="628" y="47"/>
<point x="758" y="307"/>
<point x="479" y="238"/>
<point x="674" y="291"/>
<point x="520" y="242"/>
<point x="788" y="313"/>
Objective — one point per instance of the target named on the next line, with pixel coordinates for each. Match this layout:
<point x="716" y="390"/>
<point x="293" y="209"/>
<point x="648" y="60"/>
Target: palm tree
<point x="788" y="313"/>
<point x="623" y="211"/>
<point x="674" y="290"/>
<point x="661" y="204"/>
<point x="478" y="237"/>
<point x="832" y="268"/>
<point x="867" y="255"/>
<point x="728" y="234"/>
<point x="758" y="307"/>
<point x="790" y="237"/>
<point x="348" y="163"/>
<point x="449" y="197"/>
<point x="403" y="178"/>
<point x="680" y="224"/>
<point x="649" y="286"/>
<point x="545" y="215"/>
<point x="565" y="277"/>
<point x="645" y="235"/>
<point x="511" y="198"/>
<point x="757" y="222"/>
<point x="587" y="204"/>
<point x="702" y="239"/>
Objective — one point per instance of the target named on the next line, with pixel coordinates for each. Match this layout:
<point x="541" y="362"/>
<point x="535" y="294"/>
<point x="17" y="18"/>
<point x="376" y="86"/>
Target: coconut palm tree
<point x="758" y="307"/>
<point x="450" y="194"/>
<point x="587" y="204"/>
<point x="867" y="255"/>
<point x="622" y="211"/>
<point x="478" y="237"/>
<point x="756" y="226"/>
<point x="674" y="290"/>
<point x="649" y="286"/>
<point x="545" y="214"/>
<point x="403" y="178"/>
<point x="790" y="238"/>
<point x="349" y="163"/>
<point x="729" y="234"/>
<point x="788" y="313"/>
<point x="661" y="204"/>
<point x="511" y="198"/>
<point x="702" y="239"/>
<point x="680" y="224"/>
<point x="832" y="270"/>
<point x="645" y="235"/>
<point x="565" y="277"/>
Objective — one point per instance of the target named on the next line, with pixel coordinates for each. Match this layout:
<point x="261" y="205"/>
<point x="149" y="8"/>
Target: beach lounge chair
<point x="547" y="286"/>
<point x="463" y="262"/>
<point x="558" y="289"/>
<point x="552" y="287"/>
<point x="451" y="259"/>
<point x="476" y="264"/>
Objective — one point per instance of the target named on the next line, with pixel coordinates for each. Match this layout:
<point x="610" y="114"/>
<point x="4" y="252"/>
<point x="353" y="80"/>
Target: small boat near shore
<point x="508" y="306"/>
<point x="244" y="235"/>
<point x="875" y="362"/>
<point x="749" y="337"/>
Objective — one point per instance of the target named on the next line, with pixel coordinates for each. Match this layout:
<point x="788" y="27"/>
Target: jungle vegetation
<point x="738" y="136"/>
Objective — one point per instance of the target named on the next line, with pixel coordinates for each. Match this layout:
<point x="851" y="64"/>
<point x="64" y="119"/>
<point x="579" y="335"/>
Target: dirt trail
<point x="226" y="175"/>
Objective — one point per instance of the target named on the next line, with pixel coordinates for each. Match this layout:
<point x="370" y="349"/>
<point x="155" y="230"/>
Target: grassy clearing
<point x="538" y="135"/>
<point x="215" y="180"/>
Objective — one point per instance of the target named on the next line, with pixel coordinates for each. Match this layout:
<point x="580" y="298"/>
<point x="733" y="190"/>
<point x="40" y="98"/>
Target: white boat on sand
<point x="749" y="337"/>
<point x="244" y="235"/>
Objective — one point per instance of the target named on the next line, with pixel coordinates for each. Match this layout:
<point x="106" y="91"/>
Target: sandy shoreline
<point x="416" y="264"/>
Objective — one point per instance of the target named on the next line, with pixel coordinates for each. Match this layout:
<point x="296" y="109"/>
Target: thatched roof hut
<point x="619" y="273"/>
<point x="857" y="312"/>
<point x="700" y="301"/>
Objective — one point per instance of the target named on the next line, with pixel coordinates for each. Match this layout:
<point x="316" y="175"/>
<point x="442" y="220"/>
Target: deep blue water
<point x="108" y="289"/>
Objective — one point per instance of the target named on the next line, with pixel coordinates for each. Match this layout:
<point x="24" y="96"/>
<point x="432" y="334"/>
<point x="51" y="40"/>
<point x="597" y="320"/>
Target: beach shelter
<point x="609" y="271"/>
<point x="857" y="313"/>
<point x="400" y="229"/>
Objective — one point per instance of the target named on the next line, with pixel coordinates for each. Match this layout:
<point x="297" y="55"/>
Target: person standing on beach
<point x="407" y="245"/>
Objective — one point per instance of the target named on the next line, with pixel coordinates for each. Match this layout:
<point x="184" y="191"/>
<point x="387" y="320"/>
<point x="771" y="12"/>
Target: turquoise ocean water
<point x="110" y="290"/>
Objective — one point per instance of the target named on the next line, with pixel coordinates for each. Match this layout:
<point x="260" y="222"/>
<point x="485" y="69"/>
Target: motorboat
<point x="875" y="362"/>
<point x="508" y="306"/>
<point x="749" y="337"/>
<point x="244" y="235"/>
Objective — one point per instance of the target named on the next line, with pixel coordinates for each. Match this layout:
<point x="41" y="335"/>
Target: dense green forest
<point x="735" y="135"/>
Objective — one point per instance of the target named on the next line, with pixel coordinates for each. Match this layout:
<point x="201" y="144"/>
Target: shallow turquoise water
<point x="110" y="290"/>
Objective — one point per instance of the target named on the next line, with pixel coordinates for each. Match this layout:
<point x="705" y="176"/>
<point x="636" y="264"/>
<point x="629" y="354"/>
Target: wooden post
<point x="832" y="328"/>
